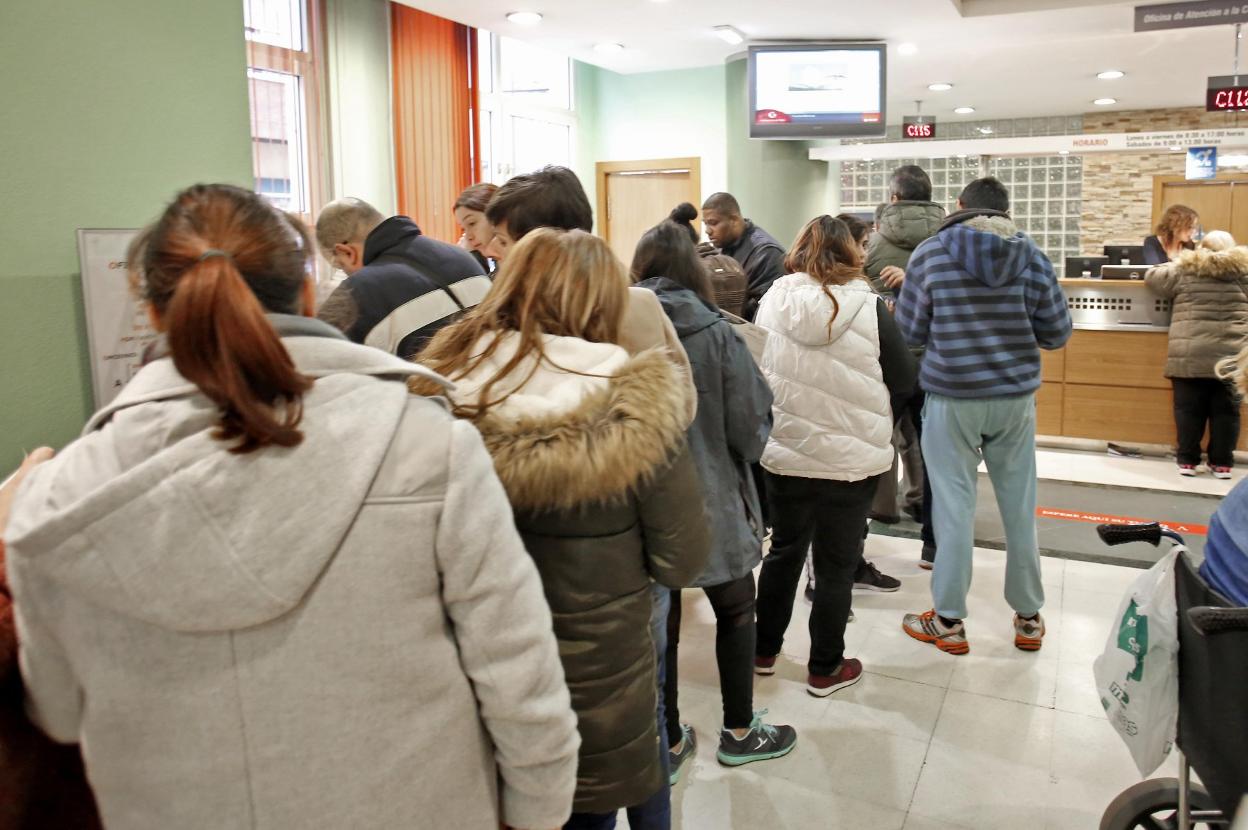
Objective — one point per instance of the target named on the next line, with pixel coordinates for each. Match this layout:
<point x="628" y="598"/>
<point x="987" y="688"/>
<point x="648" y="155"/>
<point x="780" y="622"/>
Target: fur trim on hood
<point x="616" y="438"/>
<point x="1220" y="265"/>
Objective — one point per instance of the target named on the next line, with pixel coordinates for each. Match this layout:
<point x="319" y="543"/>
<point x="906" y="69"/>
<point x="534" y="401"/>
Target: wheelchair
<point x="1212" y="733"/>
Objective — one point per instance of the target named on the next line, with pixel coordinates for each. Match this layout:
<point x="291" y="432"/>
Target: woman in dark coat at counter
<point x="1174" y="235"/>
<point x="1210" y="322"/>
<point x="728" y="434"/>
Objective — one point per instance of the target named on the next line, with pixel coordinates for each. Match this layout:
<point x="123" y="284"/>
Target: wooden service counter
<point x="1109" y="382"/>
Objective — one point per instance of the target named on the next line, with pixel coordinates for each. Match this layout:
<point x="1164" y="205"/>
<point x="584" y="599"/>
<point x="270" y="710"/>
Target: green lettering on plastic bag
<point x="1133" y="638"/>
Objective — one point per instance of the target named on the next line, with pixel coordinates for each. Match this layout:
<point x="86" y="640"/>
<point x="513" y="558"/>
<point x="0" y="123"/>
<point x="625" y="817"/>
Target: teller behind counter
<point x="1173" y="235"/>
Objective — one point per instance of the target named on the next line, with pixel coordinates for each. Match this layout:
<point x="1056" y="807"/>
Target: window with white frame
<point x="281" y="82"/>
<point x="527" y="116"/>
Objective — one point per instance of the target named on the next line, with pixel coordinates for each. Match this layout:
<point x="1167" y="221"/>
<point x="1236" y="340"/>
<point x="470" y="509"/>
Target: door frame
<point x="1160" y="182"/>
<point x="604" y="168"/>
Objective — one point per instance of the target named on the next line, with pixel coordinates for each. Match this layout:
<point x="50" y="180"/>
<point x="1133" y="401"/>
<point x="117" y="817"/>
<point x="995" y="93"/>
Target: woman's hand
<point x="9" y="490"/>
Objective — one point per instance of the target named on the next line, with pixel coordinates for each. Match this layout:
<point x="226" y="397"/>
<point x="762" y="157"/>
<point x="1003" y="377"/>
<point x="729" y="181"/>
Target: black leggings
<point x="733" y="604"/>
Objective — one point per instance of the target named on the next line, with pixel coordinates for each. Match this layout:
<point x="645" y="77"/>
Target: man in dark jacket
<point x="401" y="286"/>
<point x="760" y="255"/>
<point x="909" y="218"/>
<point x="983" y="300"/>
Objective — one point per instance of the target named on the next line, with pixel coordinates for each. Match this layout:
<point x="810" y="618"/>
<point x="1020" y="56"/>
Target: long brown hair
<point x="211" y="266"/>
<point x="1175" y="220"/>
<point x="563" y="283"/>
<point x="825" y="249"/>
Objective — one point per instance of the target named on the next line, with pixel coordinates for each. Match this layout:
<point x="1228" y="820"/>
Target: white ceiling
<point x="1006" y="63"/>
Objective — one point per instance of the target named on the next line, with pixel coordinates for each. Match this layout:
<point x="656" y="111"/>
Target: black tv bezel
<point x="809" y="131"/>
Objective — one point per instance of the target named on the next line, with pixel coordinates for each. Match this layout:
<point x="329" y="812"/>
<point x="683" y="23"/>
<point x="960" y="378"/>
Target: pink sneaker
<point x="1221" y="472"/>
<point x="1187" y="469"/>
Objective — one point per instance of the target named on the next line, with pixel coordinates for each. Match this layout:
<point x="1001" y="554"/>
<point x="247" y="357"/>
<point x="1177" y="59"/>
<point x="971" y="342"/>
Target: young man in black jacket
<point x="760" y="255"/>
<point x="401" y="286"/>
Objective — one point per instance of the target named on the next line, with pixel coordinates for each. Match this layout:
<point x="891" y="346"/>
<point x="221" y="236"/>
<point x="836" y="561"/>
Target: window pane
<point x="485" y="61"/>
<point x="276" y="22"/>
<point x="538" y="143"/>
<point x="277" y="151"/>
<point x="533" y="75"/>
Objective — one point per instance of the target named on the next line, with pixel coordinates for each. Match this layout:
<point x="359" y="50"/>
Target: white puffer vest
<point x="832" y="414"/>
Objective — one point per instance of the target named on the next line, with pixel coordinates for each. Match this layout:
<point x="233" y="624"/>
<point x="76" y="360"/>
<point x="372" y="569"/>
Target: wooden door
<point x="634" y="196"/>
<point x="1221" y="203"/>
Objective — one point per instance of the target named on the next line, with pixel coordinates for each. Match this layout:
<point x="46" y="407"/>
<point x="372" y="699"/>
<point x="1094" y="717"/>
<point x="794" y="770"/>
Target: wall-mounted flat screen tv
<point x="817" y="90"/>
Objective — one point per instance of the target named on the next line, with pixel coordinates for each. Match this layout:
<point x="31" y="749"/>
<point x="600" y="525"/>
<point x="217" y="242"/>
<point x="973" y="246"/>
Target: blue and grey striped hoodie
<point x="984" y="300"/>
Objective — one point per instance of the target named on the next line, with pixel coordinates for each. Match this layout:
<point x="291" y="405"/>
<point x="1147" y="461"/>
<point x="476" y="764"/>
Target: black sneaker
<point x="688" y="749"/>
<point x="869" y="578"/>
<point x="763" y="742"/>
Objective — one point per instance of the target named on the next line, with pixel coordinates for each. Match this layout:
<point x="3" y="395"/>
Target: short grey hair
<point x="346" y="220"/>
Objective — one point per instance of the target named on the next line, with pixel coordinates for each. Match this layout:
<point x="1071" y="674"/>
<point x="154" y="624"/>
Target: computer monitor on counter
<point x="1124" y="272"/>
<point x="1125" y="254"/>
<point x="1085" y="267"/>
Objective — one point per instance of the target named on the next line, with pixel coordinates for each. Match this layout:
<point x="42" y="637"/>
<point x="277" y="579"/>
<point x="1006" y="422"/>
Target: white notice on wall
<point x="117" y="327"/>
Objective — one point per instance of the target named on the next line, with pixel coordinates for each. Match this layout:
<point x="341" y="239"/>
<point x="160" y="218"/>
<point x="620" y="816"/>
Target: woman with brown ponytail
<point x="268" y="587"/>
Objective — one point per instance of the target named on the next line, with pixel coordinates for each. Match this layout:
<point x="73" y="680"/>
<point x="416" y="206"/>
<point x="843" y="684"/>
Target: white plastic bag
<point x="1137" y="676"/>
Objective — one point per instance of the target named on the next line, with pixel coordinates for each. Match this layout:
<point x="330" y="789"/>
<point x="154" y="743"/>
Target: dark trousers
<point x="914" y="411"/>
<point x="1201" y="401"/>
<point x="733" y="604"/>
<point x="826" y="517"/>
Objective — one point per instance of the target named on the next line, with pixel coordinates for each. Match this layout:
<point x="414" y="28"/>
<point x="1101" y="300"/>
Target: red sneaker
<point x="765" y="665"/>
<point x="846" y="674"/>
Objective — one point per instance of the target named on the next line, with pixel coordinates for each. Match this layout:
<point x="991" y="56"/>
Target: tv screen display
<point x="813" y="90"/>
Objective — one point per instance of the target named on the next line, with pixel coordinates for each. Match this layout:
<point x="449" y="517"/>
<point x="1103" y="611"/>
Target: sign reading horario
<point x="1184" y="15"/>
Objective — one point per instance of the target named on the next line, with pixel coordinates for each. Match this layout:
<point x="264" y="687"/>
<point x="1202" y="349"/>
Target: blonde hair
<point x="562" y="283"/>
<point x="345" y="221"/>
<point x="1217" y="241"/>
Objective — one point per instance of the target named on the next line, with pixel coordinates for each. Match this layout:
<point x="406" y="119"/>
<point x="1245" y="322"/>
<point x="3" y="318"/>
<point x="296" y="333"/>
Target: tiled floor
<point x="925" y="741"/>
<point x="1148" y="473"/>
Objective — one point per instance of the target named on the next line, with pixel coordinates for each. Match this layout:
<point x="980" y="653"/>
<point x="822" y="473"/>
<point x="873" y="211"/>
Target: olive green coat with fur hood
<point x="590" y="447"/>
<point x="903" y="225"/>
<point x="1210" y="320"/>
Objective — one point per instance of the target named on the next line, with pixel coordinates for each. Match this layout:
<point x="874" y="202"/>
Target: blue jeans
<point x="655" y="813"/>
<point x="957" y="433"/>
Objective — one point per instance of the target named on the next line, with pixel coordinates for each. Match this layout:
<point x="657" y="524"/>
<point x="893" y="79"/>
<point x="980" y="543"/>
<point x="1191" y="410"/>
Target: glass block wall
<point x="1045" y="191"/>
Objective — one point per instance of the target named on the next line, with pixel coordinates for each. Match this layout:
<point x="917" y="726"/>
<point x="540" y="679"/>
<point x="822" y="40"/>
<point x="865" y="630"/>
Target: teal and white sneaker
<point x="688" y="748"/>
<point x="762" y="743"/>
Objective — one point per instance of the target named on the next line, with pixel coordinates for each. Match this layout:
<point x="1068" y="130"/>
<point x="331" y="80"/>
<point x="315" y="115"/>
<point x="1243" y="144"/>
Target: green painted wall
<point x="777" y="184"/>
<point x="107" y="113"/>
<point x="700" y="112"/>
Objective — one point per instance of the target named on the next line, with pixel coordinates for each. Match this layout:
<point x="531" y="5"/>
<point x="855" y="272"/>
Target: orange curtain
<point x="435" y="109"/>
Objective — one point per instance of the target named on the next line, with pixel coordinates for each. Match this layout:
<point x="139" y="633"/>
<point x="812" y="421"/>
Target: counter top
<point x="1090" y="282"/>
<point x="1120" y="327"/>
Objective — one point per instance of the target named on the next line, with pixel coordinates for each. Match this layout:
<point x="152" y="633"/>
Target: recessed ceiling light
<point x="1176" y="149"/>
<point x="985" y="130"/>
<point x="1063" y="152"/>
<point x="730" y="35"/>
<point x="524" y="18"/>
<point x="1105" y="102"/>
<point x="1110" y="74"/>
<point x="964" y="110"/>
<point x="940" y="87"/>
<point x="907" y="49"/>
<point x="609" y="48"/>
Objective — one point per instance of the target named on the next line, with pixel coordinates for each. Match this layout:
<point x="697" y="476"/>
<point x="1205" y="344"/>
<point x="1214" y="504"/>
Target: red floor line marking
<point x="1101" y="518"/>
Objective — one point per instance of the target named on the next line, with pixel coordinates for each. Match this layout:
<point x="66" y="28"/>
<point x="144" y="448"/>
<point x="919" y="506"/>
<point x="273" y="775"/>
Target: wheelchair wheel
<point x="1154" y="805"/>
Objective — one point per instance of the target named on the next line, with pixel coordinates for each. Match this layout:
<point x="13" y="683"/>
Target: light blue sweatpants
<point x="957" y="433"/>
